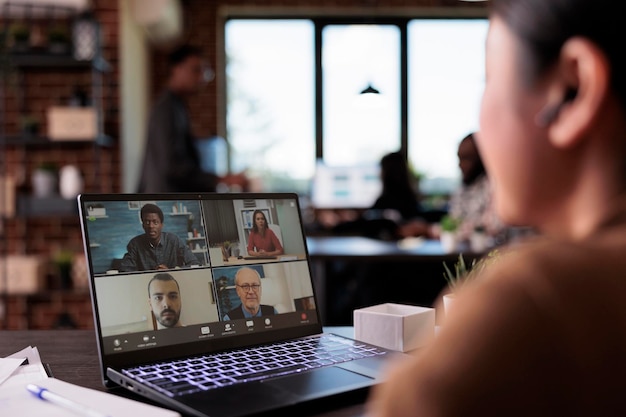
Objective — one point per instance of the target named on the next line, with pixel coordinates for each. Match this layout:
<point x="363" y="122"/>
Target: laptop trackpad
<point x="321" y="382"/>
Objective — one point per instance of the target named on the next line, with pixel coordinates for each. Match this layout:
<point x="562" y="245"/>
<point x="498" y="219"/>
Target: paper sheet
<point x="8" y="366"/>
<point x="17" y="401"/>
<point x="30" y="353"/>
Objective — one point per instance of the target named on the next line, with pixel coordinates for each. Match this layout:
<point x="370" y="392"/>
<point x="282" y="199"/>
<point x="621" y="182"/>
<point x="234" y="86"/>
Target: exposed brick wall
<point x="53" y="310"/>
<point x="41" y="88"/>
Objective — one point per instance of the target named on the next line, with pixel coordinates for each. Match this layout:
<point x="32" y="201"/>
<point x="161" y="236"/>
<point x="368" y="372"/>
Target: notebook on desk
<point x="176" y="324"/>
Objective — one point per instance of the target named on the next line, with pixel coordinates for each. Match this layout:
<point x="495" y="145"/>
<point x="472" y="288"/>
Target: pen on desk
<point x="44" y="394"/>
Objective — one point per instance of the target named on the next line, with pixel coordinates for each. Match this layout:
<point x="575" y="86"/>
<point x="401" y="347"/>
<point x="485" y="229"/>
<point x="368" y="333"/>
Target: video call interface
<point x="169" y="272"/>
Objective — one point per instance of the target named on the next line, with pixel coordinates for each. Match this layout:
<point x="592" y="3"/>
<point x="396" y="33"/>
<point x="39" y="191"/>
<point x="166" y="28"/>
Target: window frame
<point x="320" y="19"/>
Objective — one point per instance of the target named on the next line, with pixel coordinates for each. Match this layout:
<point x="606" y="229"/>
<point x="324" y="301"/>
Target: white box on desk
<point x="397" y="327"/>
<point x="24" y="274"/>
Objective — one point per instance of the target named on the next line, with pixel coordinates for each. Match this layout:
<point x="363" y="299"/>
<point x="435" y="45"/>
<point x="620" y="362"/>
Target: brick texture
<point x="32" y="91"/>
<point x="101" y="168"/>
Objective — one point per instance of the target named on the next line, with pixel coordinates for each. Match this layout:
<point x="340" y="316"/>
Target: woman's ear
<point x="582" y="77"/>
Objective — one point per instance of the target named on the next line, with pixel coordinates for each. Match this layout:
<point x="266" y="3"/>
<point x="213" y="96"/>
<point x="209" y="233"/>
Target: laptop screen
<point x="354" y="187"/>
<point x="180" y="269"/>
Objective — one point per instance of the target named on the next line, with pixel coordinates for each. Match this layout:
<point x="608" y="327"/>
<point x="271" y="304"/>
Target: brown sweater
<point x="541" y="333"/>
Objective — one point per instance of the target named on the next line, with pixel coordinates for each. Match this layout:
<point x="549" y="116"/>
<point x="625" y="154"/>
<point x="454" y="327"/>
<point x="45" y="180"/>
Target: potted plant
<point x="59" y="39"/>
<point x="20" y="36"/>
<point x="447" y="237"/>
<point x="63" y="261"/>
<point x="29" y="125"/>
<point x="226" y="249"/>
<point x="463" y="274"/>
<point x="44" y="180"/>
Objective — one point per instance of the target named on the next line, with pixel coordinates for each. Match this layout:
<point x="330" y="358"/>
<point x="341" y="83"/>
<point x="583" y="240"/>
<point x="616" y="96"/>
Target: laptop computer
<point x="182" y="321"/>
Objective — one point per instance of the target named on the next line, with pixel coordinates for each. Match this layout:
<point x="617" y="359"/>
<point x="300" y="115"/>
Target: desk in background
<point x="353" y="272"/>
<point x="72" y="356"/>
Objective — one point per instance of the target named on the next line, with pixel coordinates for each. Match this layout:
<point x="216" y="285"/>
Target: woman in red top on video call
<point x="262" y="240"/>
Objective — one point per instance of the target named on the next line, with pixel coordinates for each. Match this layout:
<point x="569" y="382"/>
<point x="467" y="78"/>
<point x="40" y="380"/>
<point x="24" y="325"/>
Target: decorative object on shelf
<point x="63" y="261"/>
<point x="7" y="191"/>
<point x="95" y="211"/>
<point x="26" y="274"/>
<point x="59" y="39"/>
<point x="70" y="181"/>
<point x="234" y="249"/>
<point x="44" y="180"/>
<point x="29" y="125"/>
<point x="72" y="123"/>
<point x="80" y="275"/>
<point x="448" y="238"/>
<point x="226" y="249"/>
<point x="19" y="34"/>
<point x="85" y="37"/>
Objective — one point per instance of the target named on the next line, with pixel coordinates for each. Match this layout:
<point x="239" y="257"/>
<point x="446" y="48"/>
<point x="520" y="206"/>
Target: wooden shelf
<point x="39" y="140"/>
<point x="31" y="206"/>
<point x="46" y="60"/>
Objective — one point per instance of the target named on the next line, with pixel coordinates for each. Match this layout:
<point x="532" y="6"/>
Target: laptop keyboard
<point x="250" y="364"/>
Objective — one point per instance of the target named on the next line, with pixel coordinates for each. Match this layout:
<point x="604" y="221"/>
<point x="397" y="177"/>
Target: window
<point x="271" y="95"/>
<point x="270" y="101"/>
<point x="446" y="79"/>
<point x="360" y="128"/>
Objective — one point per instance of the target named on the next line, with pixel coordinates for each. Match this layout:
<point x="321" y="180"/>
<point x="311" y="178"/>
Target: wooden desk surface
<point x="73" y="358"/>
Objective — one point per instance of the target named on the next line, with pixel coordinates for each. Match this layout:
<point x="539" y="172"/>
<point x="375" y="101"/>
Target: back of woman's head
<point x="395" y="172"/>
<point x="545" y="25"/>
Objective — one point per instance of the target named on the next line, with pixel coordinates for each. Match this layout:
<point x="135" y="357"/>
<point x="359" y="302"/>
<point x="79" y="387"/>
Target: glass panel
<point x="357" y="130"/>
<point x="270" y="101"/>
<point x="446" y="80"/>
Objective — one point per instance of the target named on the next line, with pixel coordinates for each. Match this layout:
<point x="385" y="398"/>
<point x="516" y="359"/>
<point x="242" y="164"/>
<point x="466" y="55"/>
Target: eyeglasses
<point x="248" y="287"/>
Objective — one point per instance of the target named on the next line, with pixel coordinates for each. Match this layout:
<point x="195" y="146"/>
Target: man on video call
<point x="164" y="299"/>
<point x="248" y="287"/>
<point x="155" y="249"/>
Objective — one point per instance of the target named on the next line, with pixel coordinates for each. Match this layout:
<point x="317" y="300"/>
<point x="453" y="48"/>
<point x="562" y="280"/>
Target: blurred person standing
<point x="172" y="161"/>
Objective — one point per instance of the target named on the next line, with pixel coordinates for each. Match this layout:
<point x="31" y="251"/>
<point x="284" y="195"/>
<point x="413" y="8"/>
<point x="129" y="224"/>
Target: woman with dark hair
<point x="541" y="331"/>
<point x="262" y="240"/>
<point x="397" y="191"/>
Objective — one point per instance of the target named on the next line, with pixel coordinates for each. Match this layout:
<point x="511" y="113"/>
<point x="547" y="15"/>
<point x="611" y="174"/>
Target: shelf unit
<point x="37" y="61"/>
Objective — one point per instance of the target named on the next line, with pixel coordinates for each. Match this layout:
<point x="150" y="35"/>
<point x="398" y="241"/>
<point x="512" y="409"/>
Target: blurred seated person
<point x="262" y="240"/>
<point x="472" y="203"/>
<point x="398" y="201"/>
<point x="397" y="205"/>
<point x="155" y="249"/>
<point x="398" y="194"/>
